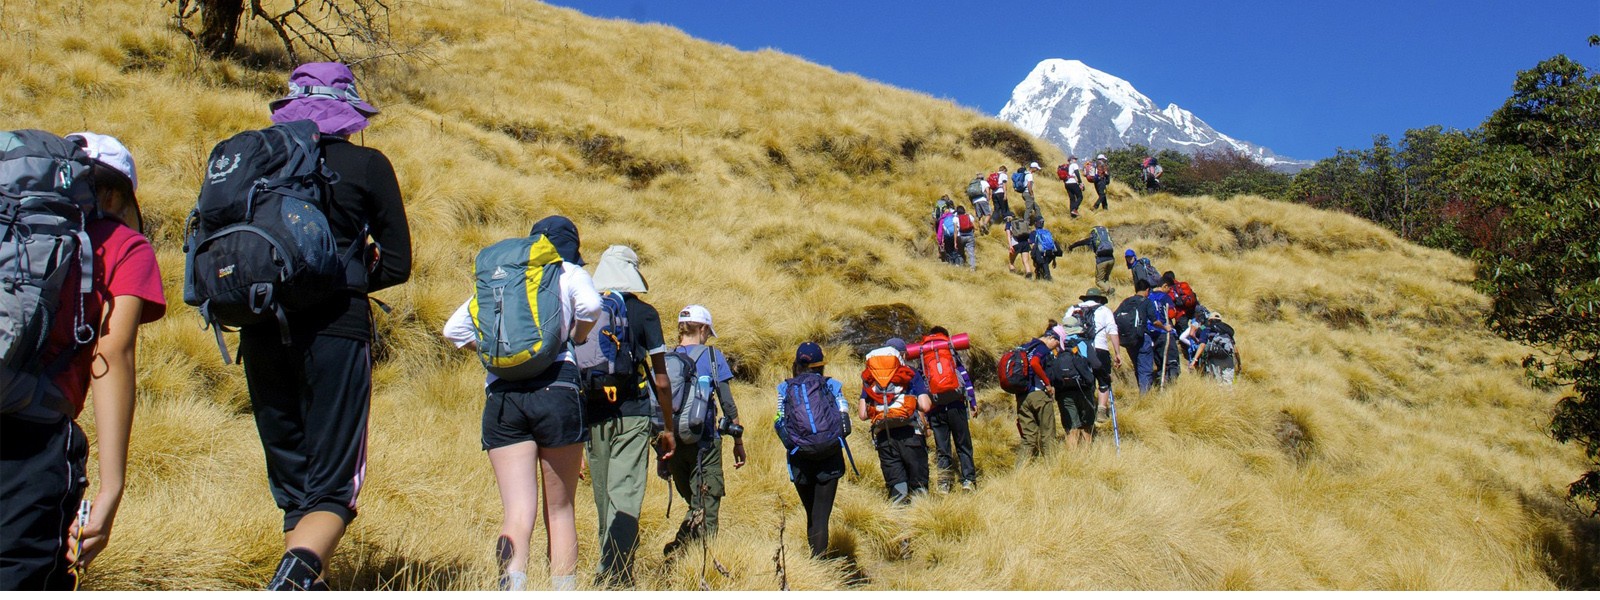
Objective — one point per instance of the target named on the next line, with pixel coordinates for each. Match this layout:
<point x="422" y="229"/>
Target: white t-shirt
<point x="579" y="301"/>
<point x="1028" y="181"/>
<point x="1105" y="324"/>
<point x="986" y="191"/>
<point x="1072" y="173"/>
<point x="1005" y="180"/>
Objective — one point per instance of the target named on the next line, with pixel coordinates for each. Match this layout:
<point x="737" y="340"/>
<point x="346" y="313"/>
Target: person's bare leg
<point x="516" y="473"/>
<point x="318" y="532"/>
<point x="560" y="466"/>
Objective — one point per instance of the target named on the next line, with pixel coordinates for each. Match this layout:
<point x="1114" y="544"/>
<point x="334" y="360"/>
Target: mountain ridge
<point x="1083" y="110"/>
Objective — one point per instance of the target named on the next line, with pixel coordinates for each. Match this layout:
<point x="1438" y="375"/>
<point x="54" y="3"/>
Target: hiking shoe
<point x="966" y="486"/>
<point x="1101" y="415"/>
<point x="944" y="487"/>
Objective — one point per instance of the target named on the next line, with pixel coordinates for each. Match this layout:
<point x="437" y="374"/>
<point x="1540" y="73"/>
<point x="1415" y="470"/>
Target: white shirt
<point x="1072" y="173"/>
<point x="579" y="301"/>
<point x="1027" y="181"/>
<point x="986" y="191"/>
<point x="1005" y="180"/>
<point x="1105" y="324"/>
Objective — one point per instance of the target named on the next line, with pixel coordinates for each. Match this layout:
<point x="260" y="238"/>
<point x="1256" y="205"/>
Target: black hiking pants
<point x="1075" y="197"/>
<point x="1100" y="188"/>
<point x="42" y="478"/>
<point x="903" y="456"/>
<point x="952" y="438"/>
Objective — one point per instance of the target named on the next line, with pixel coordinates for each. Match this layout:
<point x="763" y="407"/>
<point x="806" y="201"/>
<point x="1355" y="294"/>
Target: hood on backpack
<point x="561" y="232"/>
<point x="324" y="93"/>
<point x="618" y="271"/>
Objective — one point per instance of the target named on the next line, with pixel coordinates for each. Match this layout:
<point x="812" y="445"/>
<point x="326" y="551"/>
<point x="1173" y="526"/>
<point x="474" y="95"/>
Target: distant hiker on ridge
<point x="1100" y="176"/>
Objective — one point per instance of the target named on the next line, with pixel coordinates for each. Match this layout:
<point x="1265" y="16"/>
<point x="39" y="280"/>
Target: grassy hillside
<point x="1379" y="438"/>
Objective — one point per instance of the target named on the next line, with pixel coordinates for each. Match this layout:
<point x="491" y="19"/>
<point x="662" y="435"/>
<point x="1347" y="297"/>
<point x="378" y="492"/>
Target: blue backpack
<point x="948" y="224"/>
<point x="1019" y="180"/>
<point x="812" y="424"/>
<point x="606" y="358"/>
<point x="1044" y="240"/>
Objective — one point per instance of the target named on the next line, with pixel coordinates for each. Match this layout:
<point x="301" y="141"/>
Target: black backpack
<point x="46" y="199"/>
<point x="1100" y="241"/>
<point x="258" y="243"/>
<point x="1143" y="270"/>
<point x="1130" y="323"/>
<point x="1221" y="344"/>
<point x="1072" y="368"/>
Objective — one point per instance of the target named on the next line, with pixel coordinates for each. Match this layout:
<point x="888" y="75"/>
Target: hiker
<point x="1133" y="317"/>
<point x="1072" y="373"/>
<point x="310" y="376"/>
<point x="1101" y="324"/>
<point x="1164" y="335"/>
<point x="1036" y="418"/>
<point x="533" y="417"/>
<point x="1099" y="242"/>
<point x="950" y="390"/>
<point x="1099" y="174"/>
<point x="946" y="233"/>
<point x="982" y="211"/>
<point x="1141" y="268"/>
<point x="1215" y="344"/>
<point x="1072" y="179"/>
<point x="696" y="470"/>
<point x="1151" y="171"/>
<point x="967" y="243"/>
<point x="1184" y="301"/>
<point x="1044" y="250"/>
<point x="893" y="399"/>
<point x="1025" y="175"/>
<point x="998" y="181"/>
<point x="1020" y="232"/>
<point x="617" y="407"/>
<point x="812" y="422"/>
<point x="89" y="343"/>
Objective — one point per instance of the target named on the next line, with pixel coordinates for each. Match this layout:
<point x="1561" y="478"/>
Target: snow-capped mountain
<point x="1084" y="111"/>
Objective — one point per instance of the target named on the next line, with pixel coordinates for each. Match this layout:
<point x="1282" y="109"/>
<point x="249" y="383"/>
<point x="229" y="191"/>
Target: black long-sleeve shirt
<point x="1089" y="243"/>
<point x="366" y="194"/>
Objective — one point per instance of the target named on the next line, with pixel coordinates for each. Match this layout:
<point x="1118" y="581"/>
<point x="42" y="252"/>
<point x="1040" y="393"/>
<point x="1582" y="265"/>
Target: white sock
<point x="516" y="581"/>
<point x="564" y="583"/>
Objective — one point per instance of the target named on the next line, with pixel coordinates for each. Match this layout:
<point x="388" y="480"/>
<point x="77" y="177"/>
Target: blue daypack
<point x="812" y="424"/>
<point x="948" y="224"/>
<point x="606" y="358"/>
<point x="1019" y="180"/>
<point x="1044" y="240"/>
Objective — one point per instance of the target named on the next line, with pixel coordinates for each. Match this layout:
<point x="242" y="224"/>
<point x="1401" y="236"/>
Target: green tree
<point x="1543" y="148"/>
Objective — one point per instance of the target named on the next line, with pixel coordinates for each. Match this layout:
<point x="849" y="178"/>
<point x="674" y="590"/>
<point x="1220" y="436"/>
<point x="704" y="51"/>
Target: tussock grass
<point x="1378" y="438"/>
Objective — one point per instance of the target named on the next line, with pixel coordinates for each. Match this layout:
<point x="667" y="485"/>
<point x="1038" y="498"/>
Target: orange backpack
<point x="885" y="381"/>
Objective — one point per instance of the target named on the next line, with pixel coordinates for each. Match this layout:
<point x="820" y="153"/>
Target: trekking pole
<point x="1166" y="344"/>
<point x="1116" y="436"/>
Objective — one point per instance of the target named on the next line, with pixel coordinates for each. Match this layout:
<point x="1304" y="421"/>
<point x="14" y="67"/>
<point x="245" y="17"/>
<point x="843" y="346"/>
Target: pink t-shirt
<point x="124" y="265"/>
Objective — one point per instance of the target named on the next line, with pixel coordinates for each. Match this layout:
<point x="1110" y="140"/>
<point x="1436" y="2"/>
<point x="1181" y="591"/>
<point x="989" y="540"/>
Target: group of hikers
<point x="293" y="229"/>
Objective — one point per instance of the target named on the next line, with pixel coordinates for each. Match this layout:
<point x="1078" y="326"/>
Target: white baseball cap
<point x="109" y="151"/>
<point x="1100" y="157"/>
<point x="694" y="313"/>
<point x="1033" y="165"/>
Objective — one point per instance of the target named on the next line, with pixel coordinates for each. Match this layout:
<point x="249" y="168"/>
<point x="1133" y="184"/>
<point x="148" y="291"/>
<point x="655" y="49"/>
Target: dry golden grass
<point x="1379" y="437"/>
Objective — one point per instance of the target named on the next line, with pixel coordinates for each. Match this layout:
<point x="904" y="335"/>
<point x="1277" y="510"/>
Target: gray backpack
<point x="46" y="199"/>
<point x="516" y="312"/>
<point x="691" y="395"/>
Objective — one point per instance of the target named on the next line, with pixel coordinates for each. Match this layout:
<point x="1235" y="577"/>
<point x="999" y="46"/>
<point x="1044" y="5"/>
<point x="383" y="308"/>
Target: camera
<point x="729" y="428"/>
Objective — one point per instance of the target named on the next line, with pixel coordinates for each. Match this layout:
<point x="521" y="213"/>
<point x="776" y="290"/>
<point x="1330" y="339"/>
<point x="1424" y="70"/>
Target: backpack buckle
<point x="611" y="393"/>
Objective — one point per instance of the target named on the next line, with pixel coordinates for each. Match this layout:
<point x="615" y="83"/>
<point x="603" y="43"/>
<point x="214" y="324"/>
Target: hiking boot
<point x="966" y="486"/>
<point x="1101" y="415"/>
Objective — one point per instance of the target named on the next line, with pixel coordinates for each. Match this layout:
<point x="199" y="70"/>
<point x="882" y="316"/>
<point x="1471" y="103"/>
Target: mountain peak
<point x="1084" y="110"/>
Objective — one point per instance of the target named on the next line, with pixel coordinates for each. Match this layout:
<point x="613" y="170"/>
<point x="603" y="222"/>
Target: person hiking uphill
<point x="1099" y="242"/>
<point x="1027" y="189"/>
<point x="88" y="342"/>
<point x="311" y="397"/>
<point x="1072" y="177"/>
<point x="1164" y="336"/>
<point x="950" y="390"/>
<point x="533" y="417"/>
<point x="1020" y="232"/>
<point x="947" y="233"/>
<point x="966" y="239"/>
<point x="695" y="466"/>
<point x="1099" y="174"/>
<point x="1044" y="250"/>
<point x="998" y="181"/>
<point x="893" y="399"/>
<point x="1072" y="374"/>
<point x="812" y="422"/>
<point x="1141" y="268"/>
<point x="1036" y="417"/>
<point x="1150" y="170"/>
<point x="617" y="408"/>
<point x="1215" y="353"/>
<point x="980" y="195"/>
<point x="1104" y="336"/>
<point x="1133" y="317"/>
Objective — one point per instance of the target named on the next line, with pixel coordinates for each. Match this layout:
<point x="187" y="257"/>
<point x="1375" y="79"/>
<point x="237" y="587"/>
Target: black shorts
<point x="1024" y="244"/>
<point x="41" y="481"/>
<point x="1077" y="409"/>
<point x="1102" y="375"/>
<point x="547" y="411"/>
<point x="311" y="401"/>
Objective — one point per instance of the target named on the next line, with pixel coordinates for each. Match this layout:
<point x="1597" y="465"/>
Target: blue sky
<point x="1300" y="77"/>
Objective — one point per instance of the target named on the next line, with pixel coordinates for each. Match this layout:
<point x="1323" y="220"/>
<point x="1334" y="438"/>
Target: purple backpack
<point x="812" y="424"/>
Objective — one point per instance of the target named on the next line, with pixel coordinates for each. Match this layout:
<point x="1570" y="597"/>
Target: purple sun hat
<point x="325" y="93"/>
